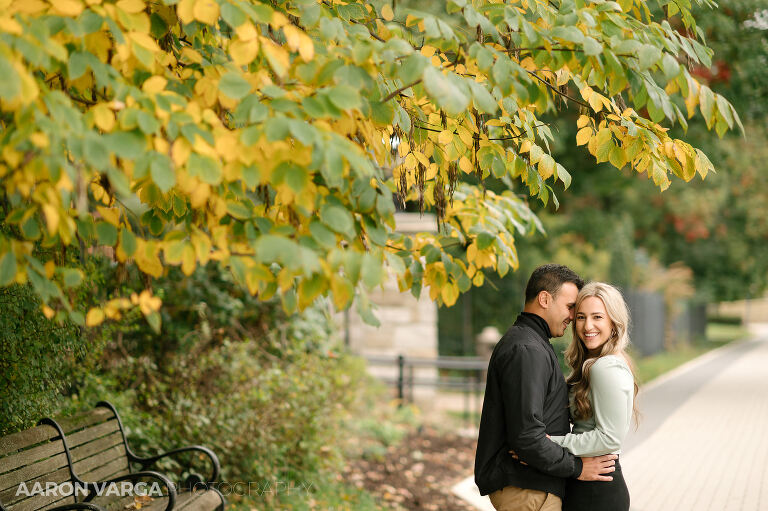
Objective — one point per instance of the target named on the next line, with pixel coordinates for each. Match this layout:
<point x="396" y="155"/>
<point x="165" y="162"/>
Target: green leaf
<point x="446" y="91"/>
<point x="126" y="144"/>
<point x="649" y="55"/>
<point x="72" y="277"/>
<point x="154" y="320"/>
<point x="344" y="97"/>
<point x="234" y="86"/>
<point x="205" y="167"/>
<point x="338" y="219"/>
<point x="128" y="242"/>
<point x="725" y="110"/>
<point x="371" y="270"/>
<point x="271" y="248"/>
<point x="670" y="66"/>
<point x="485" y="240"/>
<point x="572" y="34"/>
<point x="77" y="65"/>
<point x="482" y="98"/>
<point x="322" y="234"/>
<point x="95" y="151"/>
<point x="707" y="104"/>
<point x="161" y="172"/>
<point x="412" y="68"/>
<point x="106" y="234"/>
<point x="233" y="15"/>
<point x="592" y="47"/>
<point x="7" y="268"/>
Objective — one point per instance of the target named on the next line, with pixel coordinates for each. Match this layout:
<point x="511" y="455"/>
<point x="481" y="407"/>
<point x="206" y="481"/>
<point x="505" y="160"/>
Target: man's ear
<point x="544" y="299"/>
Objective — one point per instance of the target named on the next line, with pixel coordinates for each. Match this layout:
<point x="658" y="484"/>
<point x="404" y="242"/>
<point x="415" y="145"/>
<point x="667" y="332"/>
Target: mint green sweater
<point x="611" y="393"/>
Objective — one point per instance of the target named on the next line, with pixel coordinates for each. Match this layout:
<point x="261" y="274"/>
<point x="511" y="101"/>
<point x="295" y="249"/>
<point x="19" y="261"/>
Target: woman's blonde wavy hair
<point x="576" y="354"/>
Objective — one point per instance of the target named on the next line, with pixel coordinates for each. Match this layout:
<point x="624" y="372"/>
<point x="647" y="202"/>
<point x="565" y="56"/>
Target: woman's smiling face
<point x="593" y="326"/>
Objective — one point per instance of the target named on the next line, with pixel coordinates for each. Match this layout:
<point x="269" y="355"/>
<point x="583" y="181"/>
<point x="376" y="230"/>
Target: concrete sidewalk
<point x="702" y="443"/>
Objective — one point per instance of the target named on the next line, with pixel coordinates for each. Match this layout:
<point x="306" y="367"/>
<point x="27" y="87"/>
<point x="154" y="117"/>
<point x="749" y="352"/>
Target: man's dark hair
<point x="550" y="278"/>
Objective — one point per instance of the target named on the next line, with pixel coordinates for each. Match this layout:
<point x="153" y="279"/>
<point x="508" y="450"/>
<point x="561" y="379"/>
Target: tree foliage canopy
<point x="270" y="136"/>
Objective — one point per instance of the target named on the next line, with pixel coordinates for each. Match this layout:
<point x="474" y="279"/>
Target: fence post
<point x="400" y="380"/>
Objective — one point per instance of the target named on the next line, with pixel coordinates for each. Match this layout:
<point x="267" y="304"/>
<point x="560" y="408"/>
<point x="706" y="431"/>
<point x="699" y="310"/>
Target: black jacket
<point x="526" y="398"/>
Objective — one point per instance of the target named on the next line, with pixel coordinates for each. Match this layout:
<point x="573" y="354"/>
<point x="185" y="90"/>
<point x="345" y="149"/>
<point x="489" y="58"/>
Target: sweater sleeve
<point x="611" y="394"/>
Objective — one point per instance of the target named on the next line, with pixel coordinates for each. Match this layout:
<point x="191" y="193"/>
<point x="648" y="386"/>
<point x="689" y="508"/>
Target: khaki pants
<point x="511" y="498"/>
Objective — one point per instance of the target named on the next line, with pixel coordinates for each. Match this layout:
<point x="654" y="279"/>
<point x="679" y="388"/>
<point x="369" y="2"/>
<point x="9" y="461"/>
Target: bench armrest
<point x="137" y="475"/>
<point x="149" y="461"/>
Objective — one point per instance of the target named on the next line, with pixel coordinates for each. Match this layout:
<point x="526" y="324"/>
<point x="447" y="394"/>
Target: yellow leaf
<point x="299" y="41"/>
<point x="94" y="317"/>
<point x="180" y="152"/>
<point x="48" y="312"/>
<point x="341" y="290"/>
<point x="583" y="121"/>
<point x="583" y="136"/>
<point x="188" y="261"/>
<point x="428" y="50"/>
<point x="246" y="31"/>
<point x="278" y="20"/>
<point x="243" y="52"/>
<point x="202" y="246"/>
<point x="103" y="117"/>
<point x="199" y="195"/>
<point x="278" y="58"/>
<point x="465" y="135"/>
<point x="145" y="41"/>
<point x="410" y="162"/>
<point x="445" y="137"/>
<point x="50" y="268"/>
<point x="111" y="215"/>
<point x="51" y="218"/>
<point x="387" y="13"/>
<point x="131" y="6"/>
<point x="525" y="146"/>
<point x="465" y="165"/>
<point x="40" y="140"/>
<point x="586" y="93"/>
<point x="431" y="172"/>
<point x="449" y="293"/>
<point x="596" y="102"/>
<point x="154" y="85"/>
<point x="10" y="26"/>
<point x="67" y="7"/>
<point x="206" y="11"/>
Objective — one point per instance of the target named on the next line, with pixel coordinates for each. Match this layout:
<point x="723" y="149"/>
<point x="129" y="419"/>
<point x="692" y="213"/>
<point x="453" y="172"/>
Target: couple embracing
<point x="528" y="457"/>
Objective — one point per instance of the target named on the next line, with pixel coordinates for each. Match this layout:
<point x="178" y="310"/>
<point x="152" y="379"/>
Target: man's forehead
<point x="568" y="292"/>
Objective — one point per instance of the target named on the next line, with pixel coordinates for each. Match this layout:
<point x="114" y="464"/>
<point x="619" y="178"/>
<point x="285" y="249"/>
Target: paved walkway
<point x="703" y="442"/>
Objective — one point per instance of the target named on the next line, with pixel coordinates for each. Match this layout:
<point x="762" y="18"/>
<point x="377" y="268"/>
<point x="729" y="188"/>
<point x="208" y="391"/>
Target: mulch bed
<point x="419" y="472"/>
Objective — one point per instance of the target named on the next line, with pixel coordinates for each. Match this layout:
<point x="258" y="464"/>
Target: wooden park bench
<point x="36" y="456"/>
<point x="86" y="453"/>
<point x="100" y="453"/>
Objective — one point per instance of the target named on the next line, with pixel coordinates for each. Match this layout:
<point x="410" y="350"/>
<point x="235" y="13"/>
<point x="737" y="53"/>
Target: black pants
<point x="597" y="495"/>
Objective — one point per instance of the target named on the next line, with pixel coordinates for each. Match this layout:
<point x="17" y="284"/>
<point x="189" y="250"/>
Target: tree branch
<point x="401" y="89"/>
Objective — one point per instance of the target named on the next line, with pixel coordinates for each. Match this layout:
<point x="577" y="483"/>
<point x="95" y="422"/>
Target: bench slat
<point x="23" y="503"/>
<point x="26" y="438"/>
<point x="97" y="446"/>
<point x="81" y="420"/>
<point x="92" y="433"/>
<point x="65" y="500"/>
<point x="86" y="465"/>
<point x="102" y="472"/>
<point x="9" y="496"/>
<point x="19" y="459"/>
<point x="34" y="470"/>
<point x="208" y="500"/>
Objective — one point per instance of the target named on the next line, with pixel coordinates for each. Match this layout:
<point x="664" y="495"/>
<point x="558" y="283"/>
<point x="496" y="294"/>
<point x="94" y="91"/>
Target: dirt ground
<point x="419" y="472"/>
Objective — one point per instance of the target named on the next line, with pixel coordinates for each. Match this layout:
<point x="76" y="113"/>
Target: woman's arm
<point x="611" y="394"/>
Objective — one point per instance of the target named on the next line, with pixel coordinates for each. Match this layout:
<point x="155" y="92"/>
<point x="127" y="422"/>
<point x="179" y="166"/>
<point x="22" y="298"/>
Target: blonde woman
<point x="602" y="389"/>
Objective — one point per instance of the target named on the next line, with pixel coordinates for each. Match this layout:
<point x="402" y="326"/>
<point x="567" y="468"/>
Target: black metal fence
<point x="464" y="374"/>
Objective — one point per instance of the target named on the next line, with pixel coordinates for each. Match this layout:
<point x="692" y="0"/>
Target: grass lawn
<point x="718" y="334"/>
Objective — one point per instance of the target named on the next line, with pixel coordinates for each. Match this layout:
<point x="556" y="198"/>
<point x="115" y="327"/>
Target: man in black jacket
<point x="526" y="399"/>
